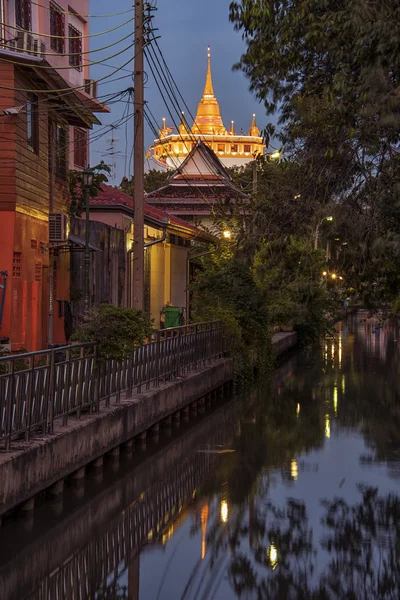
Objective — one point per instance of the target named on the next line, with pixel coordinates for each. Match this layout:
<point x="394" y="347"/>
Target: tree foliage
<point x="153" y="180"/>
<point x="331" y="69"/>
<point x="116" y="330"/>
<point x="77" y="192"/>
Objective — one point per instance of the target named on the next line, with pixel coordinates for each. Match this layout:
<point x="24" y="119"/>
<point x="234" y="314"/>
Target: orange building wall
<point x="24" y="209"/>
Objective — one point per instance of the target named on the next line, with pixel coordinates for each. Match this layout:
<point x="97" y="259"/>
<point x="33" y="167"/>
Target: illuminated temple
<point x="171" y="149"/>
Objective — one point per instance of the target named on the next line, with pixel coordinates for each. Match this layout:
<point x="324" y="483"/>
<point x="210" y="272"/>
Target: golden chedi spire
<point x="254" y="131"/>
<point x="208" y="120"/>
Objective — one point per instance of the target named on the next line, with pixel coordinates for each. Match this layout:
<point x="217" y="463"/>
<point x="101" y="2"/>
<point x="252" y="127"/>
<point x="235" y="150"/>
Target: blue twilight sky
<point x="185" y="28"/>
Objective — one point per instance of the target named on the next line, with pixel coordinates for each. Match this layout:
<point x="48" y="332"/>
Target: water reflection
<point x="306" y="504"/>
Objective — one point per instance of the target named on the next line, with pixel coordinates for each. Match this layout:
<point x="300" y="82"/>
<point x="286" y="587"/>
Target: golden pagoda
<point x="171" y="149"/>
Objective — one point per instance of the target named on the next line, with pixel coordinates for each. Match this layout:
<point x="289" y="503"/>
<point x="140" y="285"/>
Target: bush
<point x="116" y="330"/>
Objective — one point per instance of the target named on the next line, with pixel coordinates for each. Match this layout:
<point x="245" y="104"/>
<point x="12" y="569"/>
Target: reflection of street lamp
<point x="224" y="511"/>
<point x="87" y="177"/>
<point x="273" y="556"/>
<point x="317" y="230"/>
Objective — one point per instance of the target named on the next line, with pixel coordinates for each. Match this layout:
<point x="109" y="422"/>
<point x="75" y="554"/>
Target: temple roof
<point x="201" y="178"/>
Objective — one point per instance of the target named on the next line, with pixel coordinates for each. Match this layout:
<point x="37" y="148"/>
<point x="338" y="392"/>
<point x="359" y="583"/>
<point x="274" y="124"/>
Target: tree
<point x="153" y="180"/>
<point x="332" y="69"/>
<point x="77" y="193"/>
<point x="115" y="330"/>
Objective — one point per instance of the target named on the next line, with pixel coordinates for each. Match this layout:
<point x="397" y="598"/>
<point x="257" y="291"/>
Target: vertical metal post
<point x="157" y="380"/>
<point x="87" y="251"/>
<point x="52" y="389"/>
<point x="11" y="394"/>
<point x="138" y="162"/>
<point x="178" y="361"/>
<point x="31" y="388"/>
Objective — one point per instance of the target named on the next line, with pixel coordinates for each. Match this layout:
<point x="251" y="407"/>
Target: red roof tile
<point x="109" y="196"/>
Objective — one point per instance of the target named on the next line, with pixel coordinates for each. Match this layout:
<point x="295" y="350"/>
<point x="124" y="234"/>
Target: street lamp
<point x="87" y="179"/>
<point x="227" y="234"/>
<point x="317" y="230"/>
<point x="275" y="155"/>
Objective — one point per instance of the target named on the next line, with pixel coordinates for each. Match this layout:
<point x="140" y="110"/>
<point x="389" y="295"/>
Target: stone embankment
<point x="44" y="462"/>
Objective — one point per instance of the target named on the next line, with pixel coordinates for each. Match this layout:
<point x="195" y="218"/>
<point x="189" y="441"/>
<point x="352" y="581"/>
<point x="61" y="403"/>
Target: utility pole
<point x="138" y="160"/>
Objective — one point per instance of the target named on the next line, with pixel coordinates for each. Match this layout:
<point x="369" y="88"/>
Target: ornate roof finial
<point x="183" y="126"/>
<point x="254" y="131"/>
<point x="208" y="88"/>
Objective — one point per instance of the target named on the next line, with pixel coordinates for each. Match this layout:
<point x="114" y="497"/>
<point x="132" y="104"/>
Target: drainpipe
<point x="2" y="21"/>
<point x="130" y="252"/>
<point x="51" y="250"/>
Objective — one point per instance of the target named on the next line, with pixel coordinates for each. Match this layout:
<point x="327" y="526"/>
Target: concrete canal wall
<point x="31" y="467"/>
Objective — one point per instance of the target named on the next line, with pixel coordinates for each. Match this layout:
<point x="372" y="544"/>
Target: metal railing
<point x="39" y="387"/>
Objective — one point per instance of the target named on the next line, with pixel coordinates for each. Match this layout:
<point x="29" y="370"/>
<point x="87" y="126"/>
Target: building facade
<point x="233" y="149"/>
<point x="46" y="110"/>
<point x="167" y="243"/>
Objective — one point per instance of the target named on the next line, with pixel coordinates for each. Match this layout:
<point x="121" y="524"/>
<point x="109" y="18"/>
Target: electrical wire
<point x="75" y="14"/>
<point x="69" y="89"/>
<point x="65" y="37"/>
<point x="81" y="66"/>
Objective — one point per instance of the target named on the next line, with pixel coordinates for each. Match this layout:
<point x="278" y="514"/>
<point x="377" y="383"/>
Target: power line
<point x="81" y="66"/>
<point x="65" y="37"/>
<point x="75" y="14"/>
<point x="69" y="89"/>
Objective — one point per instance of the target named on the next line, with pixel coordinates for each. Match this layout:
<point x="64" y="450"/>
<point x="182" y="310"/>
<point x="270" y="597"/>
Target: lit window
<point x="221" y="147"/>
<point x="23" y="14"/>
<point x="57" y="30"/>
<point x="75" y="47"/>
<point x="80" y="147"/>
<point x="32" y="122"/>
<point x="247" y="148"/>
<point x="234" y="148"/>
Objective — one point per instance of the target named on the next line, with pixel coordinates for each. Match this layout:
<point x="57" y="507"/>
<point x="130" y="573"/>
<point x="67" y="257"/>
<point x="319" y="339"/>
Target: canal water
<point x="290" y="491"/>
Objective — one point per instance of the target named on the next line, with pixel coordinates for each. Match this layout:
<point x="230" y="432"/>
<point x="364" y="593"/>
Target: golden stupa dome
<point x="208" y="120"/>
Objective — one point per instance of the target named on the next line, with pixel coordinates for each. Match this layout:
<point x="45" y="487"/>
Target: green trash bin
<point x="172" y="316"/>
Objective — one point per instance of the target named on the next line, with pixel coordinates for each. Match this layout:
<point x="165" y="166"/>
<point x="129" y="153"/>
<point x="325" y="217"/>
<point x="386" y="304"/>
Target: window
<point x="75" y="48"/>
<point x="221" y="147"/>
<point x="60" y="151"/>
<point x="38" y="271"/>
<point x="57" y="30"/>
<point x="247" y="148"/>
<point x="23" y="14"/>
<point x="34" y="244"/>
<point x="32" y="122"/>
<point x="234" y="148"/>
<point x="80" y="147"/>
<point x="17" y="256"/>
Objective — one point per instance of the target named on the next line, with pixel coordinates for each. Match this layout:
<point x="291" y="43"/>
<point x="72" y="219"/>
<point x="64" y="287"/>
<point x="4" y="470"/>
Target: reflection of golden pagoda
<point x="170" y="149"/>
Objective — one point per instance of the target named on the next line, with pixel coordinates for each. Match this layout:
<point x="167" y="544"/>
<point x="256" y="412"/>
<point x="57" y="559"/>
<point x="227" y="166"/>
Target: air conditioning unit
<point x="25" y="42"/>
<point x="58" y="226"/>
<point x="91" y="87"/>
